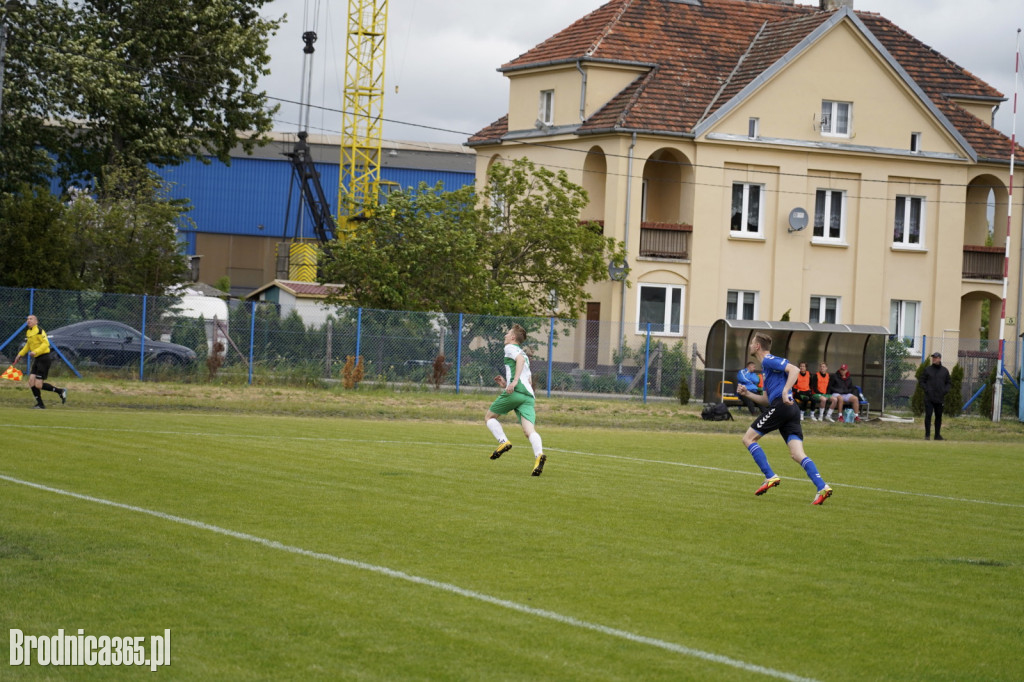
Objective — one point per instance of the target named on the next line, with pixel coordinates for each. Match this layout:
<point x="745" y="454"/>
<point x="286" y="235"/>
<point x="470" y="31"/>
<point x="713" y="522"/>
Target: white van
<point x="211" y="309"/>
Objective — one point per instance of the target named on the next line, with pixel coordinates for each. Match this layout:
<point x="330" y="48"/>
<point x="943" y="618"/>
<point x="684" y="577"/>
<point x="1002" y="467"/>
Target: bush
<point x="600" y="384"/>
<point x="684" y="391"/>
<point x="917" y="400"/>
<point x="1011" y="396"/>
<point x="896" y="365"/>
<point x="984" y="401"/>
<point x="954" y="399"/>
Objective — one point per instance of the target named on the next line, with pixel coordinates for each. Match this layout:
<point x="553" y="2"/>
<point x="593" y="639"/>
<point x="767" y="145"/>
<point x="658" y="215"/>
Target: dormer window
<point x="835" y="118"/>
<point x="546" y="113"/>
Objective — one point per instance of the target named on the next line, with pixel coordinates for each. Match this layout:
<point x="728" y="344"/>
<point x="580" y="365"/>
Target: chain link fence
<point x="156" y="338"/>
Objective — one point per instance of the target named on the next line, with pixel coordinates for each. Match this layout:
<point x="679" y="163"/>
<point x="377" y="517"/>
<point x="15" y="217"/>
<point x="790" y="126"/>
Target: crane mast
<point x="362" y="110"/>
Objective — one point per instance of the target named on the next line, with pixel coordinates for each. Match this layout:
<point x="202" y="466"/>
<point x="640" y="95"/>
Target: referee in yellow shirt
<point x="37" y="344"/>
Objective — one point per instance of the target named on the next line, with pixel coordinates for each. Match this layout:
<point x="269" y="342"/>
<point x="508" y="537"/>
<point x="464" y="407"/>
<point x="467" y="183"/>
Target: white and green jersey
<point x="512" y="352"/>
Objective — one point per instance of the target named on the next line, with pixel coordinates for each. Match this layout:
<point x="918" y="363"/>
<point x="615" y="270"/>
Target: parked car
<point x="113" y="344"/>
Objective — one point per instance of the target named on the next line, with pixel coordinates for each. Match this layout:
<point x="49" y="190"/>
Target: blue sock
<point x="812" y="473"/>
<point x="761" y="460"/>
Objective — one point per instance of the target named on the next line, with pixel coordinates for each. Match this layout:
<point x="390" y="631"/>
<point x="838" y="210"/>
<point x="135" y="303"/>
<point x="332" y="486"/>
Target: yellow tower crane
<point x="362" y="111"/>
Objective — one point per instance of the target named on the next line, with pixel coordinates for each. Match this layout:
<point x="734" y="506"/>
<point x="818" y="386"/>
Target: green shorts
<point x="521" y="403"/>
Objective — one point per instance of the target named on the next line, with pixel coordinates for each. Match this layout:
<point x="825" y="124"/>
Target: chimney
<point x="830" y="5"/>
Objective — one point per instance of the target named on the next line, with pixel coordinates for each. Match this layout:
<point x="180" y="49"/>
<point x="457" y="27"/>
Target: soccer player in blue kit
<point x="783" y="415"/>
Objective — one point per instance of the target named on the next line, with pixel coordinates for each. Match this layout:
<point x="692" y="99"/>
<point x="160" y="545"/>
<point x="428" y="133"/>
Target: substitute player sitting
<point x="518" y="396"/>
<point x="782" y="415"/>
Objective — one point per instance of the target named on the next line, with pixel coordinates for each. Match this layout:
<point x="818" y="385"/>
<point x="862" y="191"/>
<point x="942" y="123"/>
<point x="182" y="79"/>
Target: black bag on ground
<point x="716" y="412"/>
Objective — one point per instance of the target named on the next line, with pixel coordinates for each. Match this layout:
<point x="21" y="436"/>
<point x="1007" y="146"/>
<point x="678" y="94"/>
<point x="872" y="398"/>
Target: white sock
<point x="829" y="412"/>
<point x="535" y="442"/>
<point x="495" y="427"/>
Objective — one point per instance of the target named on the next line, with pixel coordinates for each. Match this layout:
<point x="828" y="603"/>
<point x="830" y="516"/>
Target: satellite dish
<point x="797" y="219"/>
<point x="617" y="271"/>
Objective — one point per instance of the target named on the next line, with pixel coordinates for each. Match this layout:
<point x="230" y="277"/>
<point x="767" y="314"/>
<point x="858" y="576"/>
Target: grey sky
<point x="442" y="55"/>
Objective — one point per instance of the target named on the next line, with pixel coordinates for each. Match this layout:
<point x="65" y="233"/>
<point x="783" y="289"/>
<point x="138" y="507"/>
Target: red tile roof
<point x="700" y="54"/>
<point x="299" y="289"/>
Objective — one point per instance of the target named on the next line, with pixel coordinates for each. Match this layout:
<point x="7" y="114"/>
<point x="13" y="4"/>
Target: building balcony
<point x="983" y="262"/>
<point x="665" y="240"/>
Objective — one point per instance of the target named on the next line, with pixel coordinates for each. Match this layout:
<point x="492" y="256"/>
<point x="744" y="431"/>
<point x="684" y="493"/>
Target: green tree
<point x="917" y="399"/>
<point x="126" y="236"/>
<point x="421" y="252"/>
<point x="988" y="395"/>
<point x="896" y="365"/>
<point x="29" y="105"/>
<point x="954" y="398"/>
<point x="36" y="246"/>
<point x="522" y="252"/>
<point x="139" y="81"/>
<point x="540" y="253"/>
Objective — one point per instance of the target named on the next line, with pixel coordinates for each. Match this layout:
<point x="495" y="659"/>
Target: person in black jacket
<point x="935" y="383"/>
<point x="843" y="392"/>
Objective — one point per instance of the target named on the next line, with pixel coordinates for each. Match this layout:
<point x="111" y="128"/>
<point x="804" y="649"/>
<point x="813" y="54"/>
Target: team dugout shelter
<point x="861" y="347"/>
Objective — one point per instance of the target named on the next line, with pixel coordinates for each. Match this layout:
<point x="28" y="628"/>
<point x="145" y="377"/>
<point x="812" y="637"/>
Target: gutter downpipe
<point x="625" y="242"/>
<point x="583" y="91"/>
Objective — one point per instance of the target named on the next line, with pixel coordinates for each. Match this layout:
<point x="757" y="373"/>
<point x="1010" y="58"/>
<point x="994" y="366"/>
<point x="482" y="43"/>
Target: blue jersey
<point x="774" y="369"/>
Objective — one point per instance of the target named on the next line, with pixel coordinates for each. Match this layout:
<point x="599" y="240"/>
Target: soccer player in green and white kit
<point x="518" y="396"/>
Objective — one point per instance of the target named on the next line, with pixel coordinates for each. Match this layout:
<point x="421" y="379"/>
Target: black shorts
<point x="41" y="365"/>
<point x="781" y="417"/>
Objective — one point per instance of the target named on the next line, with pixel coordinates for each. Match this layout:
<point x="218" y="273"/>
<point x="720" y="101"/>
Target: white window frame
<point x="546" y="108"/>
<point x="753" y="128"/>
<point x="915" y="142"/>
<point x="827" y="198"/>
<point x="821" y="303"/>
<point x="673" y="320"/>
<point x="740" y="302"/>
<point x="831" y="118"/>
<point x="742" y="230"/>
<point x="901" y="232"/>
<point x="899" y="312"/>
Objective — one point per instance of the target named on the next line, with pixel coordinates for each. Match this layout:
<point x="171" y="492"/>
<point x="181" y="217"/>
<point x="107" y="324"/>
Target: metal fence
<point x="310" y="343"/>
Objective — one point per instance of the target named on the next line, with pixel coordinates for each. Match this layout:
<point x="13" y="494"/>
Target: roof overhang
<point x="840" y="15"/>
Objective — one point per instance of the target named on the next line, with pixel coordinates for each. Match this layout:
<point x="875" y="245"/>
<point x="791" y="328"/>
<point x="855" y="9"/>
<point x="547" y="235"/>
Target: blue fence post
<point x="142" y="342"/>
<point x="924" y="346"/>
<point x="647" y="359"/>
<point x="31" y="301"/>
<point x="458" y="358"/>
<point x="252" y="337"/>
<point x="359" y="332"/>
<point x="551" y="349"/>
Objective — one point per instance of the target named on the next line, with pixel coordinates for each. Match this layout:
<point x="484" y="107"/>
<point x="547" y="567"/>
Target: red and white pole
<point x="997" y="396"/>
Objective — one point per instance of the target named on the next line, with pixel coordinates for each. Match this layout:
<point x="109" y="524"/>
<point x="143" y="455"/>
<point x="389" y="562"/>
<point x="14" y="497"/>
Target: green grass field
<point x="294" y="547"/>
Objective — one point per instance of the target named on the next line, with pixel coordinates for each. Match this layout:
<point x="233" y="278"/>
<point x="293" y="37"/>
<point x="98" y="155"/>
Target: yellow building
<point x="765" y="157"/>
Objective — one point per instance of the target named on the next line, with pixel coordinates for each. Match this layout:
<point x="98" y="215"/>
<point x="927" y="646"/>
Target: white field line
<point x="447" y="587"/>
<point x="641" y="460"/>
